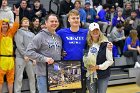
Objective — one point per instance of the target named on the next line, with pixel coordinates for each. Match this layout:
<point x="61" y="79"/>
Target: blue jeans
<point x="42" y="85"/>
<point x="99" y="85"/>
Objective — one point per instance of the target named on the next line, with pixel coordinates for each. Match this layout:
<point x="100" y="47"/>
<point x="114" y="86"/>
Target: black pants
<point x="119" y="44"/>
<point x="131" y="53"/>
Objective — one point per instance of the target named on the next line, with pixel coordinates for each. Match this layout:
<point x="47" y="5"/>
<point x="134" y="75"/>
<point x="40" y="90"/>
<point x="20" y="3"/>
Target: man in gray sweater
<point x="22" y="39"/>
<point x="45" y="48"/>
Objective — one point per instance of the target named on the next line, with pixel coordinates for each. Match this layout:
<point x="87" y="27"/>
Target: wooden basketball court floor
<point x="125" y="88"/>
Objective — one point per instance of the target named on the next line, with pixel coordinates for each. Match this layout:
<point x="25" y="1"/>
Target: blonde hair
<point x="101" y="38"/>
<point x="133" y="34"/>
<point x="24" y="18"/>
<point x="73" y="12"/>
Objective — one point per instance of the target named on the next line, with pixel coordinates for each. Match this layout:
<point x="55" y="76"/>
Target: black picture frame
<point x="64" y="75"/>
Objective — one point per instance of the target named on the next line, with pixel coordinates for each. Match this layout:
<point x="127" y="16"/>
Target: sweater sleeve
<point x="115" y="38"/>
<point x="14" y="29"/>
<point x="33" y="48"/>
<point x="44" y="12"/>
<point x="84" y="16"/>
<point x="19" y="43"/>
<point x="108" y="62"/>
<point x="101" y="15"/>
<point x="114" y="21"/>
<point x="11" y="18"/>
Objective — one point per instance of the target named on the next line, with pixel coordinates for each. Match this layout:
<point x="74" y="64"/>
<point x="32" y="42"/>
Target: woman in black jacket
<point x="98" y="60"/>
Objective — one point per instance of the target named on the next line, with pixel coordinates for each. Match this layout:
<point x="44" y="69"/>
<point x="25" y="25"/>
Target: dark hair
<point x="23" y="0"/>
<point x="112" y="6"/>
<point x="133" y="11"/>
<point x="77" y="1"/>
<point x="106" y="6"/>
<point x="119" y="25"/>
<point x="35" y="19"/>
<point x="47" y="16"/>
<point x="36" y="1"/>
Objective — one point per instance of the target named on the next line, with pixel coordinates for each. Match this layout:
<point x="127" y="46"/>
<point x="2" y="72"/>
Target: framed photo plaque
<point x="63" y="75"/>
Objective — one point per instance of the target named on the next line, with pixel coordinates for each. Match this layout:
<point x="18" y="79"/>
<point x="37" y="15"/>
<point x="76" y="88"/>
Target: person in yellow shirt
<point x="6" y="51"/>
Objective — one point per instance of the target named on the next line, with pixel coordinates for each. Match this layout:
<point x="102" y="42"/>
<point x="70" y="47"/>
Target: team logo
<point x="93" y="50"/>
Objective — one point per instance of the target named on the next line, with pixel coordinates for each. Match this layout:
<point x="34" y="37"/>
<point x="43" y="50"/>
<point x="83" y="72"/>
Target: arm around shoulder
<point x="109" y="60"/>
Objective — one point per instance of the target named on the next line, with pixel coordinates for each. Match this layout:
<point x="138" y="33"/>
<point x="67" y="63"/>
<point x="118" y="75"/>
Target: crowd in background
<point x="121" y="25"/>
<point x="116" y="22"/>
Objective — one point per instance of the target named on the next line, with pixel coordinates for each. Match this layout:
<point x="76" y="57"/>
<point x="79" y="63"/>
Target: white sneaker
<point x="137" y="65"/>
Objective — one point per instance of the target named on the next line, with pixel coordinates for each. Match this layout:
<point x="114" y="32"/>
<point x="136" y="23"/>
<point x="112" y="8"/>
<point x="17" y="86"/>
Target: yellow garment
<point x="6" y="20"/>
<point x="6" y="48"/>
